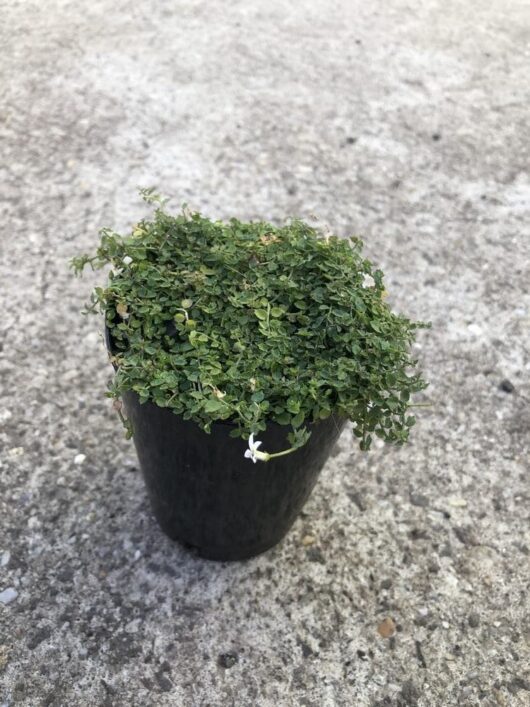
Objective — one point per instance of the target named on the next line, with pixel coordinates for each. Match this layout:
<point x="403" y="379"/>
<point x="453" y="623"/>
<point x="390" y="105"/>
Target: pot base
<point x="228" y="554"/>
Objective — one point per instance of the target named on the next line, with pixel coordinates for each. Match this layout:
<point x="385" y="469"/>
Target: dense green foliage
<point x="250" y="322"/>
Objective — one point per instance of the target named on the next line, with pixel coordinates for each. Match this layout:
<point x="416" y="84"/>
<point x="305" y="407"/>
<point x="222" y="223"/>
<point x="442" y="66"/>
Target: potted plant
<point x="240" y="350"/>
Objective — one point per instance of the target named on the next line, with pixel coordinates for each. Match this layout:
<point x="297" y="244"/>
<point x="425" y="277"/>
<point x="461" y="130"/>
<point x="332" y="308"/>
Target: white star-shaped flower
<point x="253" y="452"/>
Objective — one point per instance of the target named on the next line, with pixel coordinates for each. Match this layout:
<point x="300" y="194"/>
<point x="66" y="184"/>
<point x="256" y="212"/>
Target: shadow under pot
<point x="207" y="495"/>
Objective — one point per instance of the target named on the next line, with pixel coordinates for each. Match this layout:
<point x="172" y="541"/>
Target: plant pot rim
<point x="340" y="421"/>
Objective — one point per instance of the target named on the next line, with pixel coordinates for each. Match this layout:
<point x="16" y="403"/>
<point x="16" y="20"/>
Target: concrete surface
<point x="402" y="121"/>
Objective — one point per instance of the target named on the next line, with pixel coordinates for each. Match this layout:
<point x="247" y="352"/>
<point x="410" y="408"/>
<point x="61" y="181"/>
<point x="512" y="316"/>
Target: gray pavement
<point x="404" y="122"/>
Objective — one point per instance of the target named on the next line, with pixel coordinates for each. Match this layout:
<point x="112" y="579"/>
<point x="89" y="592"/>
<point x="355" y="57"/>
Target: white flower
<point x="252" y="451"/>
<point x="127" y="260"/>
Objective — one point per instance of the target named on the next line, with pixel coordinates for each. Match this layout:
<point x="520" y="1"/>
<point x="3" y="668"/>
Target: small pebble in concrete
<point x="445" y="550"/>
<point x="5" y="415"/>
<point x="456" y="502"/>
<point x="227" y="660"/>
<point x="386" y="628"/>
<point x="419" y="654"/>
<point x="8" y="595"/>
<point x="418" y="499"/>
<point x="423" y="616"/>
<point x="315" y="555"/>
<point x="474" y="329"/>
<point x="474" y="620"/>
<point x="409" y="695"/>
<point x="4" y="656"/>
<point x="164" y="683"/>
<point x="307" y="651"/>
<point x="506" y="386"/>
<point x="16" y="451"/>
<point x="79" y="458"/>
<point x="358" y="499"/>
<point x="465" y="535"/>
<point x="38" y="637"/>
<point x="433" y="567"/>
<point x="308" y="540"/>
<point x="518" y="683"/>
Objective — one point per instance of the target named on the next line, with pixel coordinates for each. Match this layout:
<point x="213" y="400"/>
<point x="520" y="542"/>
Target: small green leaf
<point x="214" y="405"/>
<point x="283" y="419"/>
<point x="297" y="420"/>
<point x="293" y="405"/>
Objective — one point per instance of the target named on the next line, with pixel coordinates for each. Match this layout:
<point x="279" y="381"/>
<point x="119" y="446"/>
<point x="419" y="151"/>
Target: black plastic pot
<point x="208" y="496"/>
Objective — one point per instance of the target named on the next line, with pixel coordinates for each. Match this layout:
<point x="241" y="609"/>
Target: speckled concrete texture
<point x="406" y="580"/>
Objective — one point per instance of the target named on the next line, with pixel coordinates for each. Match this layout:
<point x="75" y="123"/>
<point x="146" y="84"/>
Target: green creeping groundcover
<point x="250" y="323"/>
